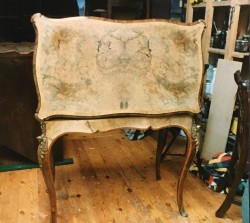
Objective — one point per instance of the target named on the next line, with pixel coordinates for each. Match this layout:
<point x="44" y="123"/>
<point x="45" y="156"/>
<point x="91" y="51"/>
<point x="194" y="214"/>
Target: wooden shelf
<point x="228" y="3"/>
<point x="240" y="54"/>
<point x="243" y="2"/>
<point x="216" y="50"/>
<point x="222" y="52"/>
<point x="238" y="15"/>
<point x="218" y="4"/>
<point x="200" y="5"/>
<point x="197" y="5"/>
<point x="221" y="3"/>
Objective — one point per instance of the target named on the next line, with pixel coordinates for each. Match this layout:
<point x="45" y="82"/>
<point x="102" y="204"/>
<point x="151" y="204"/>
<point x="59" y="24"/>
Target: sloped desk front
<point x="97" y="75"/>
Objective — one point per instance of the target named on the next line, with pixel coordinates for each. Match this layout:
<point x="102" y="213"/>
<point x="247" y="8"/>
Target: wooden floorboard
<point x="112" y="180"/>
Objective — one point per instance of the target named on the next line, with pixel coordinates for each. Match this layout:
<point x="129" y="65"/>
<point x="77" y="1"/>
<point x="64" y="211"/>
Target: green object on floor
<point x="12" y="167"/>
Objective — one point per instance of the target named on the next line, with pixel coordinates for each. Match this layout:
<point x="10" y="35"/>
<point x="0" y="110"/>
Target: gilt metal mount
<point x="43" y="143"/>
<point x="196" y="135"/>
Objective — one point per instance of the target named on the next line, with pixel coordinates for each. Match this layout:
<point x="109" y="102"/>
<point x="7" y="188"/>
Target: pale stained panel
<point x="89" y="67"/>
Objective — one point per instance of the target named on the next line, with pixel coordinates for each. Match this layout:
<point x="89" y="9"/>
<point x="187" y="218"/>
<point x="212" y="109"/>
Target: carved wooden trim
<point x="196" y="135"/>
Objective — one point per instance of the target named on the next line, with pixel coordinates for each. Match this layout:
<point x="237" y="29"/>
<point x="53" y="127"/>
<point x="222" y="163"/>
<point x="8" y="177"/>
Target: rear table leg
<point x="160" y="146"/>
<point x="48" y="169"/>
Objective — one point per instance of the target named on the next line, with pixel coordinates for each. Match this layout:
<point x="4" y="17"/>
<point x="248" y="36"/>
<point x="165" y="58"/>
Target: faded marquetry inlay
<point x="88" y="67"/>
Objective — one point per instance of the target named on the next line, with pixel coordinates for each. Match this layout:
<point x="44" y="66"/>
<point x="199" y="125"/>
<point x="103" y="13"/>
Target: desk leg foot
<point x="183" y="213"/>
<point x="158" y="177"/>
<point x="189" y="158"/>
<point x="53" y="217"/>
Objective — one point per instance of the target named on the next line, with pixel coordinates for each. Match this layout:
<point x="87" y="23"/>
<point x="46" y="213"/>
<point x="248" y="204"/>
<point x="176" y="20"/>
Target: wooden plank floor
<point x="112" y="180"/>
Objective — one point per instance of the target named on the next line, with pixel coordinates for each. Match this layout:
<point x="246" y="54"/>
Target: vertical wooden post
<point x="207" y="34"/>
<point x="232" y="29"/>
<point x="189" y="12"/>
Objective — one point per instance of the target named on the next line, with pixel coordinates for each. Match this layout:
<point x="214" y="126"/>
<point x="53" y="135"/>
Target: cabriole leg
<point x="48" y="169"/>
<point x="193" y="144"/>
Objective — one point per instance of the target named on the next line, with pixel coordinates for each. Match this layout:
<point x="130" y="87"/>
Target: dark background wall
<point x="15" y="16"/>
<point x="15" y="25"/>
<point x="161" y="9"/>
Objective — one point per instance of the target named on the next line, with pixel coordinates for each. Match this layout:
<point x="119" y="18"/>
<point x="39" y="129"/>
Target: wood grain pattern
<point x="139" y="65"/>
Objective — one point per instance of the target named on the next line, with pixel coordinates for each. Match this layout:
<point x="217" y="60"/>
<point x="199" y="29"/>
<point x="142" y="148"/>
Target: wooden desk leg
<point x="160" y="146"/>
<point x="48" y="169"/>
<point x="48" y="173"/>
<point x="191" y="149"/>
<point x="190" y="153"/>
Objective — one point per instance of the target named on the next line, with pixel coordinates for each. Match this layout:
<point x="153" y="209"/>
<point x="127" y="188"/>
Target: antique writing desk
<point x="96" y="75"/>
